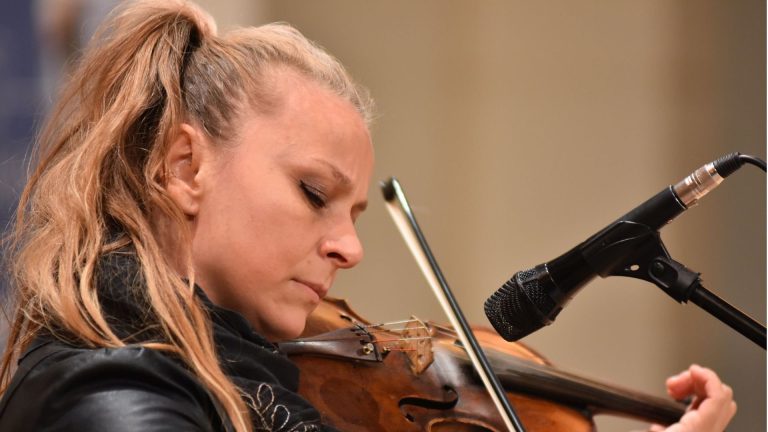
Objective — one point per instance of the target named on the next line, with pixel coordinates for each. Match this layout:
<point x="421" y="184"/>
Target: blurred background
<point x="517" y="130"/>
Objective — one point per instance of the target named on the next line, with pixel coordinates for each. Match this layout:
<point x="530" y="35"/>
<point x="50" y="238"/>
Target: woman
<point x="193" y="199"/>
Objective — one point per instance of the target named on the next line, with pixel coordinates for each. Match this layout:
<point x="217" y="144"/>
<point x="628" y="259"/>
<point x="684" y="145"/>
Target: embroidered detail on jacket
<point x="271" y="417"/>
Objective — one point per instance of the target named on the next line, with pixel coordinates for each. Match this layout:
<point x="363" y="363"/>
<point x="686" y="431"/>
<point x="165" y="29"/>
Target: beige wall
<point x="518" y="129"/>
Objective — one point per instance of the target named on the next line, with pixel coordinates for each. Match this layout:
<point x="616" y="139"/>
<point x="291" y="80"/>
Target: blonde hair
<point x="101" y="164"/>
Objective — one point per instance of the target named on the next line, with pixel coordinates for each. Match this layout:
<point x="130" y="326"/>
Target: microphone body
<point x="533" y="298"/>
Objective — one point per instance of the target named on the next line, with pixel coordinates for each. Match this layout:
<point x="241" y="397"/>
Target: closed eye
<point x="313" y="195"/>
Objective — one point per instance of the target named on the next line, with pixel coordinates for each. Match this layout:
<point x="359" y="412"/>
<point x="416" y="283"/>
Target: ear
<point x="185" y="156"/>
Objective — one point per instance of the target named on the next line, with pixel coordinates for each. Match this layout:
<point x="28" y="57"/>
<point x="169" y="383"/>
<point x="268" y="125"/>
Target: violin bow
<point x="401" y="213"/>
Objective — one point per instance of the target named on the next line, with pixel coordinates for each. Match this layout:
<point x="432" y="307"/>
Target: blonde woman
<point x="193" y="199"/>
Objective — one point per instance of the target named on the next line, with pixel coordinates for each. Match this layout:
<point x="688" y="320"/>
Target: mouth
<point x="320" y="289"/>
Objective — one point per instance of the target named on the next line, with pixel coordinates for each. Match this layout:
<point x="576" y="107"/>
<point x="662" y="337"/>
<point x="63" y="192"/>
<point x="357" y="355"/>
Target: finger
<point x="709" y="417"/>
<point x="714" y="412"/>
<point x="681" y="385"/>
<point x="697" y="381"/>
<point x="706" y="383"/>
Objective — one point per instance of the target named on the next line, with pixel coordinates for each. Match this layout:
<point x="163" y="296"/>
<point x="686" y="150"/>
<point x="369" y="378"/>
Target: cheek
<point x="253" y="233"/>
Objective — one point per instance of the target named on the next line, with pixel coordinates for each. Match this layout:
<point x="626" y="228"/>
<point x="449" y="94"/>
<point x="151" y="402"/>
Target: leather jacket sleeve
<point x="118" y="390"/>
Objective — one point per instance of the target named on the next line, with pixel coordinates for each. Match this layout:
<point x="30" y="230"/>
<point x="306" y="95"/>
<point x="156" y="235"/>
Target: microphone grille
<point x="519" y="307"/>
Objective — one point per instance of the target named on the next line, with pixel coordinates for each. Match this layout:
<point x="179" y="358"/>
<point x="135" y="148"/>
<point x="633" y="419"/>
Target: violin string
<point x="375" y="341"/>
<point x="400" y="330"/>
<point x="399" y="325"/>
<point x="401" y="339"/>
<point x="391" y="323"/>
<point x="391" y="327"/>
<point x="380" y="329"/>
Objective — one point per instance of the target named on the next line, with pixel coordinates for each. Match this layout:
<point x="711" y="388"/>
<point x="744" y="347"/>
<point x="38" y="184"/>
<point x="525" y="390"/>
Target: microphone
<point x="533" y="298"/>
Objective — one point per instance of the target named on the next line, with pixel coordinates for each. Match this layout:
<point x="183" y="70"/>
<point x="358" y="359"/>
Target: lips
<point x="320" y="289"/>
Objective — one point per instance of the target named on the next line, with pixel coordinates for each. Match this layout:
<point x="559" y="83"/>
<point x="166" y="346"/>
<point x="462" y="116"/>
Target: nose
<point x="343" y="247"/>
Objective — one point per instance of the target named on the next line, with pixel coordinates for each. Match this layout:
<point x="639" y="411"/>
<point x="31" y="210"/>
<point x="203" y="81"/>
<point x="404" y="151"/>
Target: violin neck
<point x="582" y="393"/>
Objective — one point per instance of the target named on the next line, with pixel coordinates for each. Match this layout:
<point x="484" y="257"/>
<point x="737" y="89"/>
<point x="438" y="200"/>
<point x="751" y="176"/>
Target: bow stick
<point x="406" y="223"/>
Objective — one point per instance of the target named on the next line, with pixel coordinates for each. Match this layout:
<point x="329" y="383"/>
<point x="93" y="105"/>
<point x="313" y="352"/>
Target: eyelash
<point x="314" y="196"/>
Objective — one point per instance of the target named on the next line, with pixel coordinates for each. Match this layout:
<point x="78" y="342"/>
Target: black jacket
<point x="60" y="386"/>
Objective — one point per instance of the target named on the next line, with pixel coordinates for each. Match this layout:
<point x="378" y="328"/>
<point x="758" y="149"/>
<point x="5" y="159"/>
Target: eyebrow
<point x="337" y="174"/>
<point x="343" y="179"/>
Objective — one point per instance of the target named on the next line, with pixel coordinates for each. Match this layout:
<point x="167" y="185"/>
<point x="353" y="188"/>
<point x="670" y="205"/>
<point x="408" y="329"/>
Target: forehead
<point x="309" y="121"/>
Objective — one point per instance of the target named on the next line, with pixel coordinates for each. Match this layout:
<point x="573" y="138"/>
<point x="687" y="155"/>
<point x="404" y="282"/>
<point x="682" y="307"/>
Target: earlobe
<point x="183" y="161"/>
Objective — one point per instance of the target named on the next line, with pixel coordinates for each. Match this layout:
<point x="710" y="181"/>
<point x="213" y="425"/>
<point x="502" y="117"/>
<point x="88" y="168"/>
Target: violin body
<point x="358" y="384"/>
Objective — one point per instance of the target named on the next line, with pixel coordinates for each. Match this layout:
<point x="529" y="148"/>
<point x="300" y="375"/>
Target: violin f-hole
<point x="408" y="403"/>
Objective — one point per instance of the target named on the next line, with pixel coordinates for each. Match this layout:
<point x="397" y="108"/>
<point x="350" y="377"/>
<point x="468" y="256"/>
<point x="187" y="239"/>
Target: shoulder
<point x="63" y="388"/>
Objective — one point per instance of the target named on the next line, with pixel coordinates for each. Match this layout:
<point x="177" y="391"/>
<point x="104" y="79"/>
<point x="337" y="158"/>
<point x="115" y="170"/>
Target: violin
<point x="415" y="376"/>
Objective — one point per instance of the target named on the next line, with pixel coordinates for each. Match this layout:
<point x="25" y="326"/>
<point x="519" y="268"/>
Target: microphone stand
<point x="728" y="314"/>
<point x="634" y="250"/>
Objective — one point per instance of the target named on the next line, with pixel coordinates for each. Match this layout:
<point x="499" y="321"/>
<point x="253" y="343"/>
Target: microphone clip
<point x="632" y="249"/>
<point x="635" y="250"/>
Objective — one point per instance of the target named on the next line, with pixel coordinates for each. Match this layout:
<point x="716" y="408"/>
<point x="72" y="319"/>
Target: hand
<point x="712" y="407"/>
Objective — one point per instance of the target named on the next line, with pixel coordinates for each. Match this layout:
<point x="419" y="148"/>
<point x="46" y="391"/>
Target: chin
<point x="287" y="330"/>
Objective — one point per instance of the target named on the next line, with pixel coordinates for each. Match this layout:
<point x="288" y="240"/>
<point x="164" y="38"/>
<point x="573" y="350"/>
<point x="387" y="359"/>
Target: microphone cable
<point x="727" y="164"/>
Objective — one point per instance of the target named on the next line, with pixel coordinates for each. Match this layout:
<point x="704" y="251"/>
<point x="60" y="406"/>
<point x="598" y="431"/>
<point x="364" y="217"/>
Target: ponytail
<point x="101" y="164"/>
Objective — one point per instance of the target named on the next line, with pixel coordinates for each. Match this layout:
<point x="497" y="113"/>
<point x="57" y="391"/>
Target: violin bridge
<point x="419" y="340"/>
